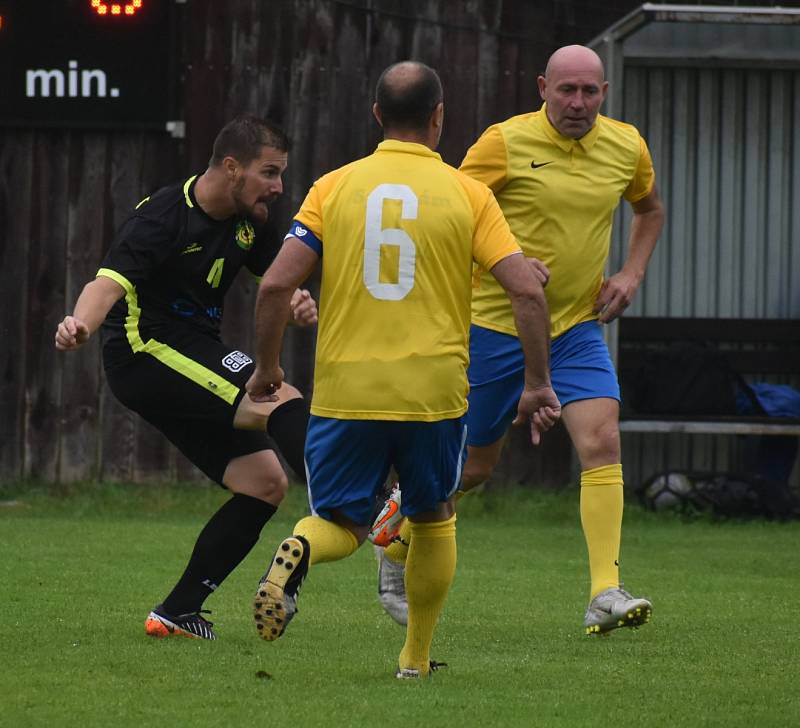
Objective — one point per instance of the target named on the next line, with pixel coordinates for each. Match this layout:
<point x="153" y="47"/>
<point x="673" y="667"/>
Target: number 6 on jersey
<point x="375" y="236"/>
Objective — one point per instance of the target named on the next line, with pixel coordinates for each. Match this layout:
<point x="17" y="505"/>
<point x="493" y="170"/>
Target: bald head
<point x="572" y="59"/>
<point x="406" y="96"/>
<point x="574" y="88"/>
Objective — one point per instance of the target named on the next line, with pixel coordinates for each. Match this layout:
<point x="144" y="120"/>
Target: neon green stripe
<point x="116" y="277"/>
<point x="190" y="369"/>
<point x="142" y="202"/>
<point x="176" y="361"/>
<point x="186" y="186"/>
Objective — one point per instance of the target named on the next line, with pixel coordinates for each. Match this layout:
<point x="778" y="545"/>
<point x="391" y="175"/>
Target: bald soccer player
<point x="558" y="174"/>
<point x="397" y="234"/>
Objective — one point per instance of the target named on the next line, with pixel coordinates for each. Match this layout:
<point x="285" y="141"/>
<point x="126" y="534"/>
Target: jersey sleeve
<point x="492" y="239"/>
<point x="310" y="213"/>
<point x="643" y="178"/>
<point x="140" y="247"/>
<point x="308" y="224"/>
<point x="486" y="160"/>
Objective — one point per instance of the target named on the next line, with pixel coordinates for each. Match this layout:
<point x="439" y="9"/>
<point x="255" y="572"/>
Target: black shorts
<point x="190" y="391"/>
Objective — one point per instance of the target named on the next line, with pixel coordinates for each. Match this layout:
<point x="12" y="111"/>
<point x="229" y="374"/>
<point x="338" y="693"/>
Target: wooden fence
<point x="311" y="65"/>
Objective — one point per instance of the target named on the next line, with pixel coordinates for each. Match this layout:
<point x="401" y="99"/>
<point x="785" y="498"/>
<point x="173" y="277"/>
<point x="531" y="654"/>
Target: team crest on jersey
<point x="245" y="235"/>
<point x="236" y="361"/>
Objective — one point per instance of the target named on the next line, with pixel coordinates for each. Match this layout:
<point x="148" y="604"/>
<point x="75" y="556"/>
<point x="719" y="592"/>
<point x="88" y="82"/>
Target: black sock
<point x="287" y="425"/>
<point x="226" y="539"/>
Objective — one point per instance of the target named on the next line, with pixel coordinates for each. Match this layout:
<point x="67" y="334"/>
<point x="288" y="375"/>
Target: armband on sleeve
<point x="303" y="234"/>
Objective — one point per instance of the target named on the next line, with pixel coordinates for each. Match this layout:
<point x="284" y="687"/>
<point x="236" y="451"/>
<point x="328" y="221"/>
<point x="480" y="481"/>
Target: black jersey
<point x="176" y="264"/>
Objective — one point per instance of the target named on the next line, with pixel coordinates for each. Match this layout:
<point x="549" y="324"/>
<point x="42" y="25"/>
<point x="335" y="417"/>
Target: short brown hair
<point x="243" y="137"/>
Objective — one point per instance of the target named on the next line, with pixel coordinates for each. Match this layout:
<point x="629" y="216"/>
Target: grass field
<point x="81" y="570"/>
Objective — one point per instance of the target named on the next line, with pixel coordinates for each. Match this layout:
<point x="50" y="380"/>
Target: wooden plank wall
<point x="312" y="66"/>
<point x="62" y="195"/>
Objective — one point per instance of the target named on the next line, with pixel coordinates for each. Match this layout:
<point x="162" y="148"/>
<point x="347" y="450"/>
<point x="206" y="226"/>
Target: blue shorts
<point x="580" y="368"/>
<point x="348" y="461"/>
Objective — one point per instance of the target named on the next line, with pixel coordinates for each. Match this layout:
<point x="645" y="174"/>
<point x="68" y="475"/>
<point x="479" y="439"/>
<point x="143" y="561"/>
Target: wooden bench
<point x="758" y="349"/>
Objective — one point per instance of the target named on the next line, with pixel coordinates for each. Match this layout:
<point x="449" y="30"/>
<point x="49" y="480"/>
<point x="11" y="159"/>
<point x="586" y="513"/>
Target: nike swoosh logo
<point x="536" y="166"/>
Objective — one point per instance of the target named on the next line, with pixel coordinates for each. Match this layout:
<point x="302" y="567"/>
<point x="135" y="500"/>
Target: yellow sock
<point x="328" y="540"/>
<point x="398" y="550"/>
<point x="429" y="572"/>
<point x="601" y="518"/>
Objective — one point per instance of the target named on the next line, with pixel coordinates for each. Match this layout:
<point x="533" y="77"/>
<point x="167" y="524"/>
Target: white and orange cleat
<point x="160" y="624"/>
<point x="386" y="526"/>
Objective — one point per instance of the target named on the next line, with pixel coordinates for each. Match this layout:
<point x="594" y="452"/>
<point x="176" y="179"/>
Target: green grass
<point x="80" y="570"/>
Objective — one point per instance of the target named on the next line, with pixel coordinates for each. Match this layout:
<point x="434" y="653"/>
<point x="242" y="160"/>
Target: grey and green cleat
<point x="614" y="608"/>
<point x="276" y="599"/>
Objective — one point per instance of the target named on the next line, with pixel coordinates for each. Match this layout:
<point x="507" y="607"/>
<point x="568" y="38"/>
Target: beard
<point x="258" y="211"/>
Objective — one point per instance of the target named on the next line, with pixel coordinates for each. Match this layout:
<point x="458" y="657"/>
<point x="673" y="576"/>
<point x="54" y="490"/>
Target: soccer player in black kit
<point x="159" y="296"/>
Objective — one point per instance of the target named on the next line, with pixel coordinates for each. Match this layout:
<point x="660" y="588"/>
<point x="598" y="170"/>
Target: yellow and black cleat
<point x="275" y="602"/>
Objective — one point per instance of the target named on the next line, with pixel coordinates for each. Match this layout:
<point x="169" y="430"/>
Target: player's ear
<point x="438" y="115"/>
<point x="376" y="112"/>
<point x="230" y="167"/>
<point x="542" y="83"/>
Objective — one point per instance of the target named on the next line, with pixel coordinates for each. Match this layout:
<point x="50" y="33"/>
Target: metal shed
<point x="715" y="91"/>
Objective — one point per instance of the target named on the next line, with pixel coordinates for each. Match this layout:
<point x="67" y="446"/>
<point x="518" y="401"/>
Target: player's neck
<point x="212" y="195"/>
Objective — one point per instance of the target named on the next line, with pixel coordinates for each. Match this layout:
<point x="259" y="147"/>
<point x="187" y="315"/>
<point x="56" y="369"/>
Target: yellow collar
<point x="395" y="145"/>
<point x="586" y="142"/>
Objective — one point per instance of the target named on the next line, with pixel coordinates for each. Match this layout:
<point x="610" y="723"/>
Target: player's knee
<point x="602" y="445"/>
<point x="272" y="487"/>
<point x="269" y="485"/>
<point x="476" y="471"/>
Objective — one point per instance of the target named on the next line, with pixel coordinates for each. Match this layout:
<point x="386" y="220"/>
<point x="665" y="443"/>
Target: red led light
<point x="104" y="8"/>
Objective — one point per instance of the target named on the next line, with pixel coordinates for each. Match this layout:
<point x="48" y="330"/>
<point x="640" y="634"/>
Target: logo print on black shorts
<point x="236" y="361"/>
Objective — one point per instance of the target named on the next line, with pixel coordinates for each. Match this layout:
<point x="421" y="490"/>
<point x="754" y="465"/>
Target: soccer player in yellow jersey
<point x="558" y="175"/>
<point x="397" y="234"/>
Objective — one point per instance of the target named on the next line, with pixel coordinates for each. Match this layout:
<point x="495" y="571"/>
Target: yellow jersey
<point x="558" y="195"/>
<point x="399" y="233"/>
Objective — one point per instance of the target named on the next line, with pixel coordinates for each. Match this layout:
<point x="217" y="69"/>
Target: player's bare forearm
<point x="538" y="406"/>
<point x="96" y="300"/>
<point x="618" y="291"/>
<point x="532" y="320"/>
<point x="648" y="220"/>
<point x="531" y="316"/>
<point x="294" y="263"/>
<point x="91" y="309"/>
<point x="271" y="317"/>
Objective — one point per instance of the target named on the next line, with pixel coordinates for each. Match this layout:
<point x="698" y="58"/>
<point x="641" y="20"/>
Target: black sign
<point x="85" y="63"/>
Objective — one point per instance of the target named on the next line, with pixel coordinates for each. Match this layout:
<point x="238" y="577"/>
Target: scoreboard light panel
<point x="86" y="63"/>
